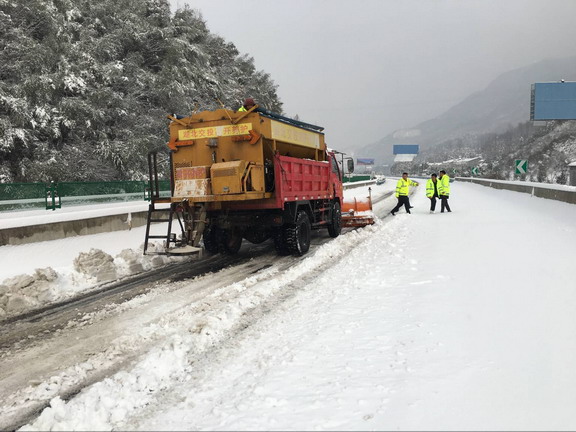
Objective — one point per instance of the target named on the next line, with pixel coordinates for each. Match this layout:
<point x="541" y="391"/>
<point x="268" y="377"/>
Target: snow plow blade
<point x="357" y="212"/>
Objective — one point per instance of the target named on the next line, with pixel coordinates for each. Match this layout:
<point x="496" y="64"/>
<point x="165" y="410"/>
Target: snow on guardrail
<point x="541" y="190"/>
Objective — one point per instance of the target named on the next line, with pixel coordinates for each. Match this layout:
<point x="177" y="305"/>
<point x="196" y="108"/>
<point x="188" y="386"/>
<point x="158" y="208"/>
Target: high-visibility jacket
<point x="403" y="187"/>
<point x="431" y="189"/>
<point x="242" y="109"/>
<point x="444" y="185"/>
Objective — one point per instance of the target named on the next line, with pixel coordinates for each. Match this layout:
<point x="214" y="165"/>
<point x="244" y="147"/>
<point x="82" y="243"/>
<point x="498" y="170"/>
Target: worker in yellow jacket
<point x="402" y="192"/>
<point x="444" y="191"/>
<point x="248" y="103"/>
<point x="432" y="191"/>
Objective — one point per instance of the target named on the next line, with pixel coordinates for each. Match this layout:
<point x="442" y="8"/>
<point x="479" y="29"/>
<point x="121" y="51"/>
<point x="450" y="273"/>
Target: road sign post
<point x="521" y="166"/>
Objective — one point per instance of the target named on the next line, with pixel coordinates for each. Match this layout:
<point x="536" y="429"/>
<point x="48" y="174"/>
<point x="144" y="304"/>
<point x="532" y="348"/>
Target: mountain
<point x="503" y="104"/>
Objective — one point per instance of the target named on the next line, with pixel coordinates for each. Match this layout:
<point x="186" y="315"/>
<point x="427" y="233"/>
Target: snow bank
<point x="27" y="292"/>
<point x="24" y="292"/>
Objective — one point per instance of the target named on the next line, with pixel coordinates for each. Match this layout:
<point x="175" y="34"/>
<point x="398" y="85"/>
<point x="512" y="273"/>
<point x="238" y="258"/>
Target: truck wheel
<point x="229" y="241"/>
<point x="210" y="239"/>
<point x="298" y="235"/>
<point x="278" y="234"/>
<point x="335" y="225"/>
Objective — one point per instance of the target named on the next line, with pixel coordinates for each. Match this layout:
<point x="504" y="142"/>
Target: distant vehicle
<point x="380" y="179"/>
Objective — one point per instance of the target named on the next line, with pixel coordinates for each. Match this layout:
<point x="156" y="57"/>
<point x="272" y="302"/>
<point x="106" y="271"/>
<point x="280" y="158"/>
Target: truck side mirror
<point x="350" y="165"/>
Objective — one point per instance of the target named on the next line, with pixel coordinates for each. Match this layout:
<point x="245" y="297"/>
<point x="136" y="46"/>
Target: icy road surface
<point x="464" y="320"/>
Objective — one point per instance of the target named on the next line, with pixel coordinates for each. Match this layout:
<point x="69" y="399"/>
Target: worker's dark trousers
<point x="433" y="203"/>
<point x="444" y="203"/>
<point x="402" y="201"/>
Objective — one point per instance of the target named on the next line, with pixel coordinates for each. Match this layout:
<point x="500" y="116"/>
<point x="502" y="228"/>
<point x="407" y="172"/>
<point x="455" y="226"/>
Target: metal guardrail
<point x="567" y="196"/>
<point x="353" y="185"/>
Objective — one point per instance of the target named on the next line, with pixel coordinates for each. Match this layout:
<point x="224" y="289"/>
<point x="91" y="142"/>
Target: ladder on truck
<point x="164" y="215"/>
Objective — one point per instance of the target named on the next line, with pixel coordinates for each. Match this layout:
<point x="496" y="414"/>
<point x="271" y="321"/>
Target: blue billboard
<point x="364" y="161"/>
<point x="406" y="149"/>
<point x="553" y="101"/>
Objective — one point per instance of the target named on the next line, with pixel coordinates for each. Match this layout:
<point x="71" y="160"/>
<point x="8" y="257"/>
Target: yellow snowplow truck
<point x="246" y="175"/>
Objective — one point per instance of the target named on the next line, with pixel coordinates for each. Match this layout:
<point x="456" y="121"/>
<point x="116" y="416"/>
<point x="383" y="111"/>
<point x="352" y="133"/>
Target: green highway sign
<point x="475" y="171"/>
<point x="521" y="166"/>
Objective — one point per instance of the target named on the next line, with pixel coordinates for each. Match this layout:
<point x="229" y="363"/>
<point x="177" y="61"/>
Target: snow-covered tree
<point x="85" y="86"/>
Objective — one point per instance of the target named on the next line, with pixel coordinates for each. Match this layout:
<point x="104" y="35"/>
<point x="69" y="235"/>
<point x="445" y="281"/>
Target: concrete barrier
<point x="59" y="230"/>
<point x="566" y="196"/>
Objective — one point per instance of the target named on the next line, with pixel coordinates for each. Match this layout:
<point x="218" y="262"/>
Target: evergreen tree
<point x="85" y="86"/>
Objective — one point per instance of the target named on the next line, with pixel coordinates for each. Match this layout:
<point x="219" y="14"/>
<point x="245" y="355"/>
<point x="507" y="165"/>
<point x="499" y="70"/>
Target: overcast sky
<point x="365" y="68"/>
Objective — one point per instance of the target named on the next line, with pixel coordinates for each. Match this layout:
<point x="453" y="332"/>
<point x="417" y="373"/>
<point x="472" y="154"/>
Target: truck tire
<point x="297" y="236"/>
<point x="210" y="239"/>
<point x="280" y="241"/>
<point x="335" y="225"/>
<point x="229" y="241"/>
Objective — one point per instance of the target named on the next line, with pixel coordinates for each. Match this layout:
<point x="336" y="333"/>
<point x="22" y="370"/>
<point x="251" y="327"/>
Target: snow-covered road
<point x="426" y="321"/>
<point x="446" y="321"/>
<point x="117" y="333"/>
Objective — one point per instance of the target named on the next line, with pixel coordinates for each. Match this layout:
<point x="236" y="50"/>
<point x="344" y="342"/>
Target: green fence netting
<point x="17" y="196"/>
<point x="21" y="191"/>
<point x="356" y="178"/>
<point x="101" y="188"/>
